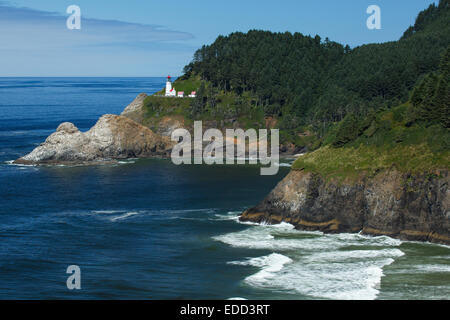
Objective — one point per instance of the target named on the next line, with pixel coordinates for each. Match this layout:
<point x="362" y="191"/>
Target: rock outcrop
<point x="135" y="110"/>
<point x="112" y="137"/>
<point x="411" y="207"/>
<point x="164" y="126"/>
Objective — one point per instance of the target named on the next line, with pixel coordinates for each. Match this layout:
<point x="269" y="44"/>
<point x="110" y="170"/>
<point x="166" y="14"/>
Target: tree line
<point x="307" y="81"/>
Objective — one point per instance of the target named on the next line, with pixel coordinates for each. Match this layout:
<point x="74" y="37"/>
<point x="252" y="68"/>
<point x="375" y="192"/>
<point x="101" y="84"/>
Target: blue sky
<point x="156" y="38"/>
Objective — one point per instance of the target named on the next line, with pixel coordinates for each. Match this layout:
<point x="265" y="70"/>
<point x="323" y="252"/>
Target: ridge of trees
<point x="304" y="80"/>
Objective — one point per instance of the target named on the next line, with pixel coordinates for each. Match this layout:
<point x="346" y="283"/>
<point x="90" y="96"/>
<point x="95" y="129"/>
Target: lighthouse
<point x="170" y="91"/>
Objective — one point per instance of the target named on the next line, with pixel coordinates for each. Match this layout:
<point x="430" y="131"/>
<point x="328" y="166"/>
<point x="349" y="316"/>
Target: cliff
<point x="164" y="125"/>
<point x="137" y="132"/>
<point x="405" y="206"/>
<point x="390" y="178"/>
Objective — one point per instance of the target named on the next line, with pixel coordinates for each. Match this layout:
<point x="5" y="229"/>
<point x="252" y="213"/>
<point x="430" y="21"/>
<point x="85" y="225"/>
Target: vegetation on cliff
<point x="413" y="137"/>
<point x="306" y="81"/>
<point x="306" y="85"/>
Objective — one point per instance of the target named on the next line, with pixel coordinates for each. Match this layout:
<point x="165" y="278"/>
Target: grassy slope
<point x="229" y="106"/>
<point x="231" y="109"/>
<point x="387" y="143"/>
<point x="187" y="86"/>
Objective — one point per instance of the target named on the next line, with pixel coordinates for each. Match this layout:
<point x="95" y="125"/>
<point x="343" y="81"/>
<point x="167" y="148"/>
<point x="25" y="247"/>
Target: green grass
<point x="226" y="106"/>
<point x="186" y="85"/>
<point x="156" y="108"/>
<point x="351" y="163"/>
<point x="227" y="109"/>
<point x="385" y="144"/>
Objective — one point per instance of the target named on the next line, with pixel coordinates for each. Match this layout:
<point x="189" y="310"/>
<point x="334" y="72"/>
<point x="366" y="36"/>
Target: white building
<point x="170" y="91"/>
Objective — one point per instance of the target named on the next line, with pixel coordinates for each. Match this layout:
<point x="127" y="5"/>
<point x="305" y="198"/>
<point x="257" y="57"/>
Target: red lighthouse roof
<point x="169" y="77"/>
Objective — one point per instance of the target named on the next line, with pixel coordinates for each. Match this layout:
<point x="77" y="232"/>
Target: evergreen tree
<point x="308" y="81"/>
<point x="431" y="97"/>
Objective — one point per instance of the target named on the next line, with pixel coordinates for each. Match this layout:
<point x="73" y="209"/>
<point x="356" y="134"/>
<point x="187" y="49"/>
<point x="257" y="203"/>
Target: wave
<point x="230" y="215"/>
<point x="431" y="268"/>
<point x="28" y="167"/>
<point x="106" y="211"/>
<point x="161" y="214"/>
<point x="331" y="266"/>
<point x="270" y="265"/>
<point x="334" y="280"/>
<point x="129" y="161"/>
<point x="11" y="163"/>
<point x="339" y="256"/>
<point x="124" y="216"/>
<point x="273" y="237"/>
<point x="283" y="164"/>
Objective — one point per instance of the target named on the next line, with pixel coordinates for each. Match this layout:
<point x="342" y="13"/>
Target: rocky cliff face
<point x="112" y="137"/>
<point x="165" y="125"/>
<point x="135" y="110"/>
<point x="391" y="203"/>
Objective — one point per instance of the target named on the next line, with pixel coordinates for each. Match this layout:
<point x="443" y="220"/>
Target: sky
<point x="145" y="38"/>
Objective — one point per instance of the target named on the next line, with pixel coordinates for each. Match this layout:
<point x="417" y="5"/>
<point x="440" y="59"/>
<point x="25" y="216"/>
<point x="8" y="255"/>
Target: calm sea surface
<point x="147" y="229"/>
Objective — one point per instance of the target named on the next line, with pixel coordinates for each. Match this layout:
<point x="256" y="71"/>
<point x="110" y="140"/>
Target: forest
<point x="308" y="83"/>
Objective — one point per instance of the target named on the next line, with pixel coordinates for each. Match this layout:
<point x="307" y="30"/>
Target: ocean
<point x="147" y="229"/>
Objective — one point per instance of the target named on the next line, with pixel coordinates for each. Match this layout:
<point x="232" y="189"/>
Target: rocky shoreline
<point x="404" y="206"/>
<point x="399" y="205"/>
<point x="113" y="137"/>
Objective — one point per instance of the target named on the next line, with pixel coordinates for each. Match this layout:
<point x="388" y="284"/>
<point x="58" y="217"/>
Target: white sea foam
<point x="345" y="255"/>
<point x="333" y="280"/>
<point x="106" y="211"/>
<point x="21" y="166"/>
<point x="430" y="268"/>
<point x="369" y="240"/>
<point x="124" y="216"/>
<point x="427" y="243"/>
<point x="231" y="215"/>
<point x="270" y="265"/>
<point x="315" y="264"/>
<point x="286" y="165"/>
<point x="126" y="162"/>
<point x="273" y="237"/>
<point x="183" y="214"/>
<point x="283" y="164"/>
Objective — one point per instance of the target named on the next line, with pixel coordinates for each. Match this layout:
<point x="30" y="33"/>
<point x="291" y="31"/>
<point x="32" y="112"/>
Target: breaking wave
<point x="313" y="264"/>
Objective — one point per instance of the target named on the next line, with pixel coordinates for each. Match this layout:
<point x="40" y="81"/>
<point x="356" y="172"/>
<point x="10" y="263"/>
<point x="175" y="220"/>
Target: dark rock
<point x="411" y="207"/>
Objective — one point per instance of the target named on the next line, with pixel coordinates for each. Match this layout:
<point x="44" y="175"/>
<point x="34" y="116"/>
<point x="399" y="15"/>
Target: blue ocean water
<point x="147" y="229"/>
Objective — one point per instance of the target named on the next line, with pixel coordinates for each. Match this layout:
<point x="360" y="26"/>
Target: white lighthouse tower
<point x="170" y="91"/>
